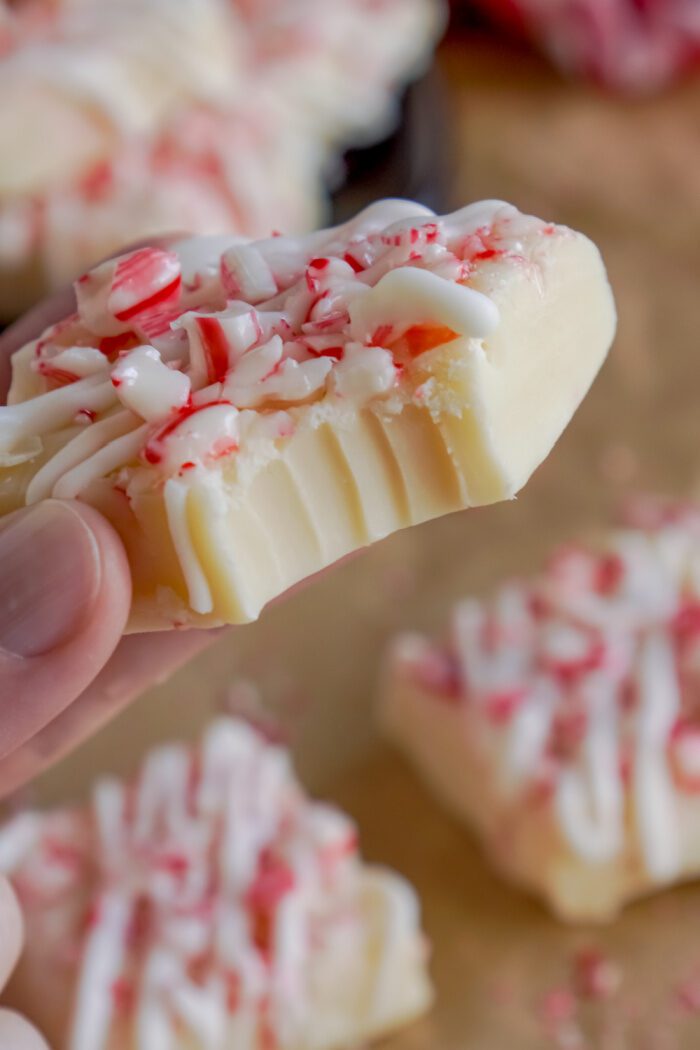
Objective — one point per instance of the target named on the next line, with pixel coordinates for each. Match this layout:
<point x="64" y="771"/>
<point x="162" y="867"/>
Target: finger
<point x="65" y="591"/>
<point x="11" y="931"/>
<point x="141" y="661"/>
<point x="18" y="1034"/>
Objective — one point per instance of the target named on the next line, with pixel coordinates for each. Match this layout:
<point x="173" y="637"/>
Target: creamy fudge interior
<point x="207" y="904"/>
<point x="245" y="413"/>
<point x="560" y="718"/>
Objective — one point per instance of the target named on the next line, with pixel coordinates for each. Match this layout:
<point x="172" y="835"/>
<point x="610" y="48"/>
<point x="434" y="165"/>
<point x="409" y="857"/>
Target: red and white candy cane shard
<point x="210" y="902"/>
<point x="126" y="288"/>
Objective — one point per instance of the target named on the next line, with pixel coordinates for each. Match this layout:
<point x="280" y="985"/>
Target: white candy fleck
<point x="147" y="386"/>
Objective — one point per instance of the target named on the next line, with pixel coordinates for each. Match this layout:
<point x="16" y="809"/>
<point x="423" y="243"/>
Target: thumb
<point x="64" y="598"/>
<point x="17" y="1034"/>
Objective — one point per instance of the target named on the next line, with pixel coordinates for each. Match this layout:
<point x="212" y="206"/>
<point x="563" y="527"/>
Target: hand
<point x="15" y="1033"/>
<point x="65" y="590"/>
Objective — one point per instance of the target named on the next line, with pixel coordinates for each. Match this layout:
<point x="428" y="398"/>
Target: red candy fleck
<point x="233" y="991"/>
<point x="686" y="622"/>
<point x="157" y="298"/>
<point x="199" y="966"/>
<point x="152" y="453"/>
<point x="558" y="1005"/>
<point x="123" y="996"/>
<point x="595" y="975"/>
<point x="335" y="319"/>
<point x="92" y="917"/>
<point x="381" y="335"/>
<point x="62" y="854"/>
<point x="57" y="375"/>
<point x="568" y="731"/>
<point x="97" y="182"/>
<point x="610" y="573"/>
<point x="141" y="924"/>
<point x="315" y="267"/>
<point x="274" y="879"/>
<point x="312" y="304"/>
<point x="352" y="261"/>
<point x="568" y="670"/>
<point x="331" y="855"/>
<point x="111" y="345"/>
<point x="423" y="337"/>
<point x="223" y="448"/>
<point x="215" y="347"/>
<point x="500" y="707"/>
<point x="438" y="672"/>
<point x="684" y="756"/>
<point x="688" y="995"/>
<point x="625" y="766"/>
<point x="335" y="352"/>
<point x="268" y="1038"/>
<point x="175" y="864"/>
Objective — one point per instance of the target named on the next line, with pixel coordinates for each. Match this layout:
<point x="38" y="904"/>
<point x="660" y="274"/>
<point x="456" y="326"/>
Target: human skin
<point x="65" y="590"/>
<point x="65" y="668"/>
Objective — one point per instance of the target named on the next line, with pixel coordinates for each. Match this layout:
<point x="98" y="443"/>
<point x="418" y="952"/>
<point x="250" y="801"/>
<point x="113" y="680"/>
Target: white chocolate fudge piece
<point x="246" y="413"/>
<point x="339" y="67"/>
<point x="87" y="74"/>
<point x="560" y="720"/>
<point x="121" y="121"/>
<point x="209" y="904"/>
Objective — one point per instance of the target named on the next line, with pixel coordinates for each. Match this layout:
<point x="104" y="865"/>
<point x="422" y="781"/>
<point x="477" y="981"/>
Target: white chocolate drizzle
<point x="175" y="494"/>
<point x="578" y="687"/>
<point x="199" y="900"/>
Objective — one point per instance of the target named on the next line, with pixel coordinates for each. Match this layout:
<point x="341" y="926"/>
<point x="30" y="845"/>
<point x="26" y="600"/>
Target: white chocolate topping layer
<point x="261" y="325"/>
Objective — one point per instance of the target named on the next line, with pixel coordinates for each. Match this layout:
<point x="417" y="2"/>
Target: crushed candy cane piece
<point x="147" y="386"/>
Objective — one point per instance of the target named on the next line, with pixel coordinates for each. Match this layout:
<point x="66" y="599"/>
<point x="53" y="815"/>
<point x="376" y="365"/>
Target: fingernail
<point x="49" y="576"/>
